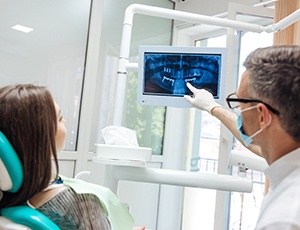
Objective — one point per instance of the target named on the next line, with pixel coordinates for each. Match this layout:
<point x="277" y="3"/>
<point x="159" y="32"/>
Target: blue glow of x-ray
<point x="168" y="73"/>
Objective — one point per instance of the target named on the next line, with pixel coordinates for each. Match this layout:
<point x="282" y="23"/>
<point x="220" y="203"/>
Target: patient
<point x="32" y="122"/>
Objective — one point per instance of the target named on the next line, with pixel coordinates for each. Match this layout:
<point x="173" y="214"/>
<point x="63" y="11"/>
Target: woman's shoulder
<point x="44" y="196"/>
<point x="70" y="209"/>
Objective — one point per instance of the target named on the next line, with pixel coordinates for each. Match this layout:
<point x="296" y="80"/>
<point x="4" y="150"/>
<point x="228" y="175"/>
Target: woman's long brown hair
<point x="28" y="120"/>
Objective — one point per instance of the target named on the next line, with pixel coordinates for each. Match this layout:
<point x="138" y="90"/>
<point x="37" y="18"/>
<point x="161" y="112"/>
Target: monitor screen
<point x="165" y="70"/>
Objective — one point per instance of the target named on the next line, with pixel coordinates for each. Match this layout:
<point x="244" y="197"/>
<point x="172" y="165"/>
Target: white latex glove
<point x="202" y="99"/>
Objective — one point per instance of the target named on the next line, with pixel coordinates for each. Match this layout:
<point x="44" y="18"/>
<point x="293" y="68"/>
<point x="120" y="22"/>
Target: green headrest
<point x="11" y="170"/>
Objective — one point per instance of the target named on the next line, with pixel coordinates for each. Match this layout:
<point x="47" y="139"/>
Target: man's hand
<point x="201" y="99"/>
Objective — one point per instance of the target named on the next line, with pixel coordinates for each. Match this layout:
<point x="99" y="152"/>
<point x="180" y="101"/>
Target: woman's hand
<point x="139" y="228"/>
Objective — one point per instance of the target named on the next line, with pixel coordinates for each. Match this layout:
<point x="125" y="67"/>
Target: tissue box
<point x="119" y="152"/>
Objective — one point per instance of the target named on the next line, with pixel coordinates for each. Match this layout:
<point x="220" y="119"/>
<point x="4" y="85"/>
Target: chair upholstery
<point x="11" y="179"/>
<point x="11" y="170"/>
<point x="6" y="224"/>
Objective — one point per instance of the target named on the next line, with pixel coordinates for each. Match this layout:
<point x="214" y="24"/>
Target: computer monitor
<point x="164" y="71"/>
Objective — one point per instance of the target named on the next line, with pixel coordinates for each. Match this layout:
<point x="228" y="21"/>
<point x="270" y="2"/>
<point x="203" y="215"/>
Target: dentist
<point x="267" y="122"/>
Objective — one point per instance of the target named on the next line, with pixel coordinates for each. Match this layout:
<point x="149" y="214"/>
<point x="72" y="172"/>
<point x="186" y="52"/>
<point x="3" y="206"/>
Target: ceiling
<point x="54" y="22"/>
<point x="62" y="23"/>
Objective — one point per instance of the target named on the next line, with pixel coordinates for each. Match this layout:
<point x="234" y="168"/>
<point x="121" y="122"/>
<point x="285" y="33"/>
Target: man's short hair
<point x="275" y="78"/>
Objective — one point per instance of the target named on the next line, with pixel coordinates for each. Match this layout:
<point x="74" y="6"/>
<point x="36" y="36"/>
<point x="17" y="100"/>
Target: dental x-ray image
<point x="163" y="72"/>
<point x="168" y="73"/>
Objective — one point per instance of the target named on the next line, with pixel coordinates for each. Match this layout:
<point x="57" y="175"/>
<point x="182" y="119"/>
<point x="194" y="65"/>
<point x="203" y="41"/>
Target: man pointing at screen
<point x="267" y="121"/>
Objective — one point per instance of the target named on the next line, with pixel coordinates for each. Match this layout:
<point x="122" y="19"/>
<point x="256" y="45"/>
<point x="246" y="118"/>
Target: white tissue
<point x="121" y="148"/>
<point x="119" y="135"/>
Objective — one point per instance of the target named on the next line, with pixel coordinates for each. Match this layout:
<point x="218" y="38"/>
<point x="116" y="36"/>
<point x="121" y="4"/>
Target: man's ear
<point x="265" y="116"/>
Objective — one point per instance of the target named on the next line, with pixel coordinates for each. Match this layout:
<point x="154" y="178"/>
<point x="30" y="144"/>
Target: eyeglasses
<point x="234" y="102"/>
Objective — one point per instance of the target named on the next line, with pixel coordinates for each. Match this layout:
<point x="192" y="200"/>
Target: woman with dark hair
<point x="31" y="121"/>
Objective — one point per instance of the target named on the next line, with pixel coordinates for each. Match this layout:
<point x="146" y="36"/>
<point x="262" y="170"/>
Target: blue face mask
<point x="245" y="138"/>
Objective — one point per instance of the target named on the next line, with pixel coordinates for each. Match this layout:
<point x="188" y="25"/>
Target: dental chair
<point x="11" y="179"/>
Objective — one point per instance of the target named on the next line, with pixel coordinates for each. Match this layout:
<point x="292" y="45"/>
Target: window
<point x="245" y="206"/>
<point x="147" y="121"/>
<point x="199" y="204"/>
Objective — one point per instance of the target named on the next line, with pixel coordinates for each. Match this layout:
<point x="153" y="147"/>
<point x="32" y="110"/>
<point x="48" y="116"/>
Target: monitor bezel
<point x="171" y="100"/>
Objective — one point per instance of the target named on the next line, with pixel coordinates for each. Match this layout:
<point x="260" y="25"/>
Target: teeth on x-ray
<point x="168" y="80"/>
<point x="189" y="80"/>
<point x="166" y="69"/>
